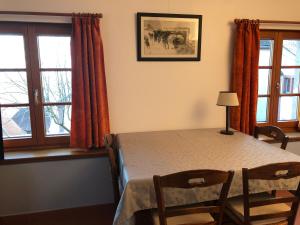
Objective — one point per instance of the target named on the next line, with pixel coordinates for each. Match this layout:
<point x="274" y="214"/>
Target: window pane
<point x="266" y="52"/>
<point x="289" y="81"/>
<point x="263" y="81"/>
<point x="56" y="86"/>
<point x="290" y="53"/>
<point x="54" y="52"/>
<point x="262" y="109"/>
<point x="16" y="122"/>
<point x="12" y="53"/>
<point x="13" y="88"/>
<point x="57" y="119"/>
<point x="288" y="108"/>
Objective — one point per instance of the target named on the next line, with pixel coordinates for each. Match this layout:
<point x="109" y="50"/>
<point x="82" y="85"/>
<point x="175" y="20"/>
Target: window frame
<point x="274" y="90"/>
<point x="30" y="32"/>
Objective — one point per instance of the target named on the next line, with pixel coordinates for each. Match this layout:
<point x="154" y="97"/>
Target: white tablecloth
<point x="145" y="154"/>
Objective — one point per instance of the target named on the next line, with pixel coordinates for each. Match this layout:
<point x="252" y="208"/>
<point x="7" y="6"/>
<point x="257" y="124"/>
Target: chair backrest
<point x="187" y="180"/>
<point x="271" y="172"/>
<point x="111" y="145"/>
<point x="273" y="132"/>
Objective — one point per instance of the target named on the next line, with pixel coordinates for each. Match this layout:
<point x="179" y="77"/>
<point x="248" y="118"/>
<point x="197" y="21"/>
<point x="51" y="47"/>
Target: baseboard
<point x="96" y="214"/>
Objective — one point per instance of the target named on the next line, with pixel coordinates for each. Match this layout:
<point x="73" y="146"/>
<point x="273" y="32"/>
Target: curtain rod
<point x="41" y="13"/>
<point x="273" y="21"/>
<point x="279" y="22"/>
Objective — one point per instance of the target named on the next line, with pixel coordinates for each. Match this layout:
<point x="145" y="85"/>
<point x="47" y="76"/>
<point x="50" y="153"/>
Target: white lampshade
<point x="227" y="98"/>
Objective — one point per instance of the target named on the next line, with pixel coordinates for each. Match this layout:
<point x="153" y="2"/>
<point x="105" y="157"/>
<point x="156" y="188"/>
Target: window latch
<point x="277" y="85"/>
<point x="36" y="96"/>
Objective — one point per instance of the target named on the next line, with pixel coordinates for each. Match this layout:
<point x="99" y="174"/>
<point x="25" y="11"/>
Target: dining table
<point x="144" y="154"/>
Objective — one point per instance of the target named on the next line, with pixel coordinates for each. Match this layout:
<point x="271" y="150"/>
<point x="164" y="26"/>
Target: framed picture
<point x="168" y="37"/>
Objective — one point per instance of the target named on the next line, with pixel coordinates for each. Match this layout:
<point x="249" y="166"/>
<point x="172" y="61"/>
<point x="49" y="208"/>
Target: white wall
<point x="26" y="188"/>
<point x="166" y="95"/>
<point x="142" y="95"/>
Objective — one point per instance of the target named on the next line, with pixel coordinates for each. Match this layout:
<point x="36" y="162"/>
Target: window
<point x="278" y="81"/>
<point x="35" y="84"/>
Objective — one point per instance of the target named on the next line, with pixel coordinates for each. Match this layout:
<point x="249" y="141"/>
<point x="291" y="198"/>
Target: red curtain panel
<point x="90" y="118"/>
<point x="245" y="75"/>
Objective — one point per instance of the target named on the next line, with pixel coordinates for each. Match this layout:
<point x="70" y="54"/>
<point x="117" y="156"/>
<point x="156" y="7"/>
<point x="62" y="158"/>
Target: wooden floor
<point x="93" y="215"/>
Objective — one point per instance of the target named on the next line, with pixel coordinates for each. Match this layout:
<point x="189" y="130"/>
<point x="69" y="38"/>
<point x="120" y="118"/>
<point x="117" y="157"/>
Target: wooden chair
<point x="111" y="145"/>
<point x="191" y="214"/>
<point x="273" y="132"/>
<point x="264" y="208"/>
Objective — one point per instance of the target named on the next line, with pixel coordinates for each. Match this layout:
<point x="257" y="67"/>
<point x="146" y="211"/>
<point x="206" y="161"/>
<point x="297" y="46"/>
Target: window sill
<point x="293" y="137"/>
<point x="19" y="157"/>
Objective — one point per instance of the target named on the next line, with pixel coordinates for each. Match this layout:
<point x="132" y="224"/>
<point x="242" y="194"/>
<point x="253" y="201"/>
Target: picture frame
<point x="168" y="37"/>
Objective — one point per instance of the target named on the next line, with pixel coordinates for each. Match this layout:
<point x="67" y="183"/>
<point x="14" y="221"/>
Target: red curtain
<point x="90" y="118"/>
<point x="245" y="75"/>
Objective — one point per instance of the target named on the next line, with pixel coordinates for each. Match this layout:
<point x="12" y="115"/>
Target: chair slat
<point x="275" y="171"/>
<point x="191" y="210"/>
<point x="271" y="216"/>
<point x="194" y="178"/>
<point x="273" y="201"/>
<point x="210" y="223"/>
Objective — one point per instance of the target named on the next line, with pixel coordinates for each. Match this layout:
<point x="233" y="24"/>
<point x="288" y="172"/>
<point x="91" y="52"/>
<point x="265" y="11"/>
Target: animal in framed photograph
<point x="168" y="37"/>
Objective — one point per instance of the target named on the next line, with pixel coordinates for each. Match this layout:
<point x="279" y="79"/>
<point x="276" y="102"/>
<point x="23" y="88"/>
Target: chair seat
<point x="237" y="206"/>
<point x="199" y="218"/>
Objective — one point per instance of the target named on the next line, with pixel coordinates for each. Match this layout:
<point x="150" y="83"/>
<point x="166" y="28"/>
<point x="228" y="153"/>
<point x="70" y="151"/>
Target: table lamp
<point x="228" y="99"/>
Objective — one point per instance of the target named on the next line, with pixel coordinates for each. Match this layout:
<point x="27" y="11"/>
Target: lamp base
<point x="226" y="132"/>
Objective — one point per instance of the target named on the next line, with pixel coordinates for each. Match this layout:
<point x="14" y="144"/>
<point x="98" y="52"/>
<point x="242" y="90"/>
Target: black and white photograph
<point x="168" y="37"/>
